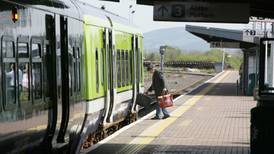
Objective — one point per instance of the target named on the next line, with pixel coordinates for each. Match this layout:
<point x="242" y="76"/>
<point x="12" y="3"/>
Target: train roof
<point x="99" y="17"/>
<point x="81" y="11"/>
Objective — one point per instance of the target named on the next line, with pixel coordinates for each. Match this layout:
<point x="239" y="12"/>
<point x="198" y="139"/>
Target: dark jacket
<point x="158" y="83"/>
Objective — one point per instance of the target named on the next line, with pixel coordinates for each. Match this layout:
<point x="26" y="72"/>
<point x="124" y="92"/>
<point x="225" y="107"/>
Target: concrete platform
<point x="211" y="119"/>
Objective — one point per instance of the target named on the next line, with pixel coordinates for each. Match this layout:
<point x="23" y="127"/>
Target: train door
<point x="72" y="114"/>
<point x="106" y="61"/>
<point x="50" y="89"/>
<point x="62" y="62"/>
<point x="134" y="72"/>
<point x="111" y="64"/>
<point x="138" y="65"/>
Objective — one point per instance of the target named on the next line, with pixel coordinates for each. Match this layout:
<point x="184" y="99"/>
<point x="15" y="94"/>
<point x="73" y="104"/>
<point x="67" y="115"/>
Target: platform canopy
<point x="221" y="38"/>
<point x="258" y="8"/>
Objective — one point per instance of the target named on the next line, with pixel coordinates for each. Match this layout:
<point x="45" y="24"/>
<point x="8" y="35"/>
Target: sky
<point x="143" y="16"/>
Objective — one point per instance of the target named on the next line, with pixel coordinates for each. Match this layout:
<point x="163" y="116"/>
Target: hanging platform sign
<point x="201" y="12"/>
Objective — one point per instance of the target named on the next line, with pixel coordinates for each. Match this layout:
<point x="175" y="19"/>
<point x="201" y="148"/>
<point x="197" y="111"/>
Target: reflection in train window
<point x="118" y="69"/>
<point x="123" y="67"/>
<point x="47" y="70"/>
<point x="142" y="67"/>
<point x="24" y="81"/>
<point x="97" y="70"/>
<point x="37" y="80"/>
<point x="23" y="50"/>
<point x="8" y="75"/>
<point x="36" y="73"/>
<point x="36" y="50"/>
<point x="78" y="69"/>
<point x="131" y="66"/>
<point x="8" y="49"/>
<point x="127" y="67"/>
<point x="75" y="73"/>
<point x="9" y="86"/>
<point x="71" y="73"/>
<point x="102" y="66"/>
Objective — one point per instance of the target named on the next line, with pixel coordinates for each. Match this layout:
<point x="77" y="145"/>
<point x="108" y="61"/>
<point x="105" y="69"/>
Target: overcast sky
<point x="143" y="16"/>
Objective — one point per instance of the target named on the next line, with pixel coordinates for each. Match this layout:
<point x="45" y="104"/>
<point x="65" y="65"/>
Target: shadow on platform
<point x="219" y="89"/>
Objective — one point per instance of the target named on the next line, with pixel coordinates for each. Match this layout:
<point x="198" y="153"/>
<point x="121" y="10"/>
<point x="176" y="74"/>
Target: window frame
<point x="131" y="67"/>
<point x="126" y="68"/>
<point x="118" y="61"/>
<point x="97" y="82"/>
<point x="78" y="65"/>
<point x="123" y="67"/>
<point x="38" y="41"/>
<point x="24" y="40"/>
<point x="4" y="61"/>
<point x="102" y="66"/>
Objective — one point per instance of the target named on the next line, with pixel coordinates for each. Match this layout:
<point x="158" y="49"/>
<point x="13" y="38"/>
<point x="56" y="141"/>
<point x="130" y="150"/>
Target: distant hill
<point x="175" y="37"/>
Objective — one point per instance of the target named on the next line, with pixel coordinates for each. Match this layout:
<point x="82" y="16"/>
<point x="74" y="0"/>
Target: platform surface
<point x="211" y="119"/>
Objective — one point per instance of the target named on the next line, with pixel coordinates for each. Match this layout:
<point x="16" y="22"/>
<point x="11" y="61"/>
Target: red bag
<point x="165" y="100"/>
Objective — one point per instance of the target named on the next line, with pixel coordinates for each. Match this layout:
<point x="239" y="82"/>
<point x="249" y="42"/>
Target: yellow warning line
<point x="152" y="132"/>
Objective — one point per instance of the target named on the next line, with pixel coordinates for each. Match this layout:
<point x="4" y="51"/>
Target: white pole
<point x="223" y="62"/>
<point x="266" y="61"/>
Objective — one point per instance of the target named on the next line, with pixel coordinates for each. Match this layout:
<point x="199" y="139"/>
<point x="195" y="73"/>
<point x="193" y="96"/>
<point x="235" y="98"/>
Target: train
<point x="69" y="75"/>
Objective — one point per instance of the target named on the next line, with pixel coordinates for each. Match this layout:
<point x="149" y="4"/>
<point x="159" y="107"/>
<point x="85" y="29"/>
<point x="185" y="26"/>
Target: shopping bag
<point x="143" y="100"/>
<point x="166" y="100"/>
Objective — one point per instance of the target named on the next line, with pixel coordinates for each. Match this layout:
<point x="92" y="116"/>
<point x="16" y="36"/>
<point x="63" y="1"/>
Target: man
<point x="158" y="85"/>
<point x="11" y="83"/>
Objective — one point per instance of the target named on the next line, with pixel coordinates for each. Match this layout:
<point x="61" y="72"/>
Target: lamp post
<point x="162" y="52"/>
<point x="223" y="56"/>
<point x="223" y="61"/>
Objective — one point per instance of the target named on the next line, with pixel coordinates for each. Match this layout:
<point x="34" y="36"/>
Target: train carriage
<point x="68" y="72"/>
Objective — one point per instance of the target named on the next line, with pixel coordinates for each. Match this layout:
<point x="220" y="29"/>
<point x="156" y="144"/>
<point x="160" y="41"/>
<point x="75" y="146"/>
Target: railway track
<point x="185" y="64"/>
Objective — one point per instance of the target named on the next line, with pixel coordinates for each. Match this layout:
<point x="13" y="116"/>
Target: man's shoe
<point x="166" y="116"/>
<point x="155" y="118"/>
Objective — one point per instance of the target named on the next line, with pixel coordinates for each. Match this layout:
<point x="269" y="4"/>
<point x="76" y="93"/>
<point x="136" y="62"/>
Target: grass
<point x="214" y="55"/>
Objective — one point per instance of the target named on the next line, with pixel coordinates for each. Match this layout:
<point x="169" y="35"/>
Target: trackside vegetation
<point x="234" y="59"/>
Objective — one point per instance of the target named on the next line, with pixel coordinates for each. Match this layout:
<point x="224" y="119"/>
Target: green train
<point x="69" y="75"/>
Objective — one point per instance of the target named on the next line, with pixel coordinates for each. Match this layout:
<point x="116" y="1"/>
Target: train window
<point x="142" y="66"/>
<point x="23" y="50"/>
<point x="10" y="86"/>
<point x="36" y="73"/>
<point x="130" y="69"/>
<point x="118" y="60"/>
<point x="24" y="81"/>
<point x="37" y="80"/>
<point x="139" y="65"/>
<point x="23" y="72"/>
<point x="97" y="70"/>
<point x="71" y="71"/>
<point x="75" y="69"/>
<point x="46" y="76"/>
<point x="8" y="49"/>
<point x="126" y="65"/>
<point x="8" y="74"/>
<point x="102" y="66"/>
<point x="123" y="67"/>
<point x="78" y="70"/>
<point x="36" y="51"/>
